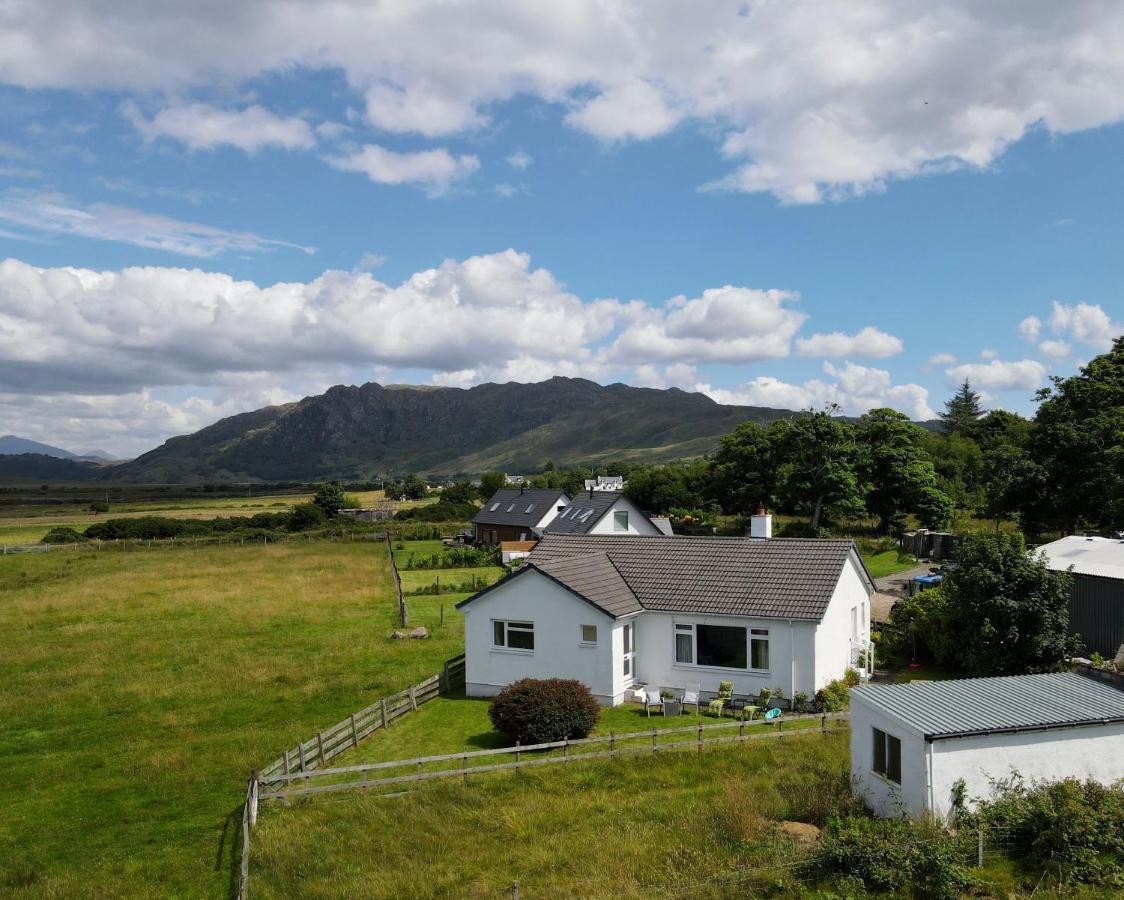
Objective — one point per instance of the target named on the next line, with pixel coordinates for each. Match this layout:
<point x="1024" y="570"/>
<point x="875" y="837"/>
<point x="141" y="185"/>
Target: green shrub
<point x="306" y="516"/>
<point x="897" y="855"/>
<point x="441" y="511"/>
<point x="61" y="534"/>
<point x="836" y="695"/>
<point x="538" y="711"/>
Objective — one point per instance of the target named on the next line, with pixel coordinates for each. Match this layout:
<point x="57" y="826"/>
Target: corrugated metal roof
<point x="780" y="578"/>
<point x="515" y="507"/>
<point x="945" y="709"/>
<point x="1088" y="555"/>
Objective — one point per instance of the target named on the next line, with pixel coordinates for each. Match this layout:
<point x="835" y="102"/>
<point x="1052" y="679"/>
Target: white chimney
<point x="761" y="525"/>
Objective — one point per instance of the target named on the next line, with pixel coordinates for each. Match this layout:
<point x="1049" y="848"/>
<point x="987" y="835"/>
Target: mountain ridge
<point x="357" y="432"/>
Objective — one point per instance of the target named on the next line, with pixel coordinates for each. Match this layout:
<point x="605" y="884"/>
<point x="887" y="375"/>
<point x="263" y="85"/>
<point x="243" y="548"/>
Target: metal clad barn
<point x="1096" y="606"/>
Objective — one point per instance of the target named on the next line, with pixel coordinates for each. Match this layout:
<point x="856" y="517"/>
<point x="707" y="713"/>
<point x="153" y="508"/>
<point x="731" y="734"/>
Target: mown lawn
<point x="888" y="562"/>
<point x="140" y="688"/>
<point x="633" y="827"/>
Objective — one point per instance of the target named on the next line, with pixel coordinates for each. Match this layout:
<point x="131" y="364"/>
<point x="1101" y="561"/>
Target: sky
<point x="207" y="208"/>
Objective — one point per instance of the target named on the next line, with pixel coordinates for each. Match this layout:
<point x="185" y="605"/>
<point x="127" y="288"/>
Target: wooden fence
<point x="316" y="751"/>
<point x="249" y="817"/>
<point x="403" y="613"/>
<point x="276" y="785"/>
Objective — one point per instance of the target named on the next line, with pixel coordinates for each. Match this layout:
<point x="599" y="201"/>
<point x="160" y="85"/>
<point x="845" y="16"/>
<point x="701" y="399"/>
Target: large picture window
<point x="513" y="635"/>
<point x="722" y="646"/>
<point x="887" y="755"/>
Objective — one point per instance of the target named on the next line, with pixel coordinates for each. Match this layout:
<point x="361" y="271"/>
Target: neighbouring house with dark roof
<point x="605" y="512"/>
<point x="618" y="612"/>
<point x="912" y="744"/>
<point x="517" y="514"/>
<point x="1096" y="601"/>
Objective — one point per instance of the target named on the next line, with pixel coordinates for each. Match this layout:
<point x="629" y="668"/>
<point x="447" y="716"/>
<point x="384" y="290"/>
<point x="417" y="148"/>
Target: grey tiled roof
<point x="513" y="506"/>
<point x="583" y="513"/>
<point x="595" y="578"/>
<point x="944" y="709"/>
<point x="780" y="578"/>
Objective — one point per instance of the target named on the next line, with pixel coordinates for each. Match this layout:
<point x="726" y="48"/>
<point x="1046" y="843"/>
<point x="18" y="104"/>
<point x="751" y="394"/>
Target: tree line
<point x="1061" y="470"/>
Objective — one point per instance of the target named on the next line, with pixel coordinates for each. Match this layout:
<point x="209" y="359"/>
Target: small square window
<point x="589" y="634"/>
<point x="620" y="520"/>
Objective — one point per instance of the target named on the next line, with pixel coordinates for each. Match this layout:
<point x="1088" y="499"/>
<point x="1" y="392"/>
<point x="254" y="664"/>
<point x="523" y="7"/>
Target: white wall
<point x="638" y="523"/>
<point x="833" y="635"/>
<point x="1095" y="752"/>
<point x="883" y="796"/>
<point x="557" y="615"/>
<point x="656" y="666"/>
<point x="550" y="512"/>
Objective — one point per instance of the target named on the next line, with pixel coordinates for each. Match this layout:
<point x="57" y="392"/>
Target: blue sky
<point x="776" y="204"/>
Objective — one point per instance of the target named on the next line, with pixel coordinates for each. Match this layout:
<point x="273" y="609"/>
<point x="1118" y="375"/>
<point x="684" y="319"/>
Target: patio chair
<point x="652" y="698"/>
<point x="691" y="696"/>
<point x="725" y="694"/>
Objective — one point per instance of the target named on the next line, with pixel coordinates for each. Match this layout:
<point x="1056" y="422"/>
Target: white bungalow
<point x="619" y="612"/>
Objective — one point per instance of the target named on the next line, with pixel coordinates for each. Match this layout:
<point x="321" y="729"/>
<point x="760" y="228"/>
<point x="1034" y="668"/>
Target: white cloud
<point x="997" y="375"/>
<point x="989" y="353"/>
<point x="53" y="213"/>
<point x="201" y="126"/>
<point x="678" y="375"/>
<point x="371" y="261"/>
<point x="1030" y="328"/>
<point x="810" y="101"/>
<point x="1055" y="349"/>
<point x="941" y="359"/>
<point x="506" y="190"/>
<point x="19" y="172"/>
<point x="727" y="324"/>
<point x="435" y="170"/>
<point x="854" y="388"/>
<point x="520" y="160"/>
<point x="868" y="342"/>
<point x="1085" y="323"/>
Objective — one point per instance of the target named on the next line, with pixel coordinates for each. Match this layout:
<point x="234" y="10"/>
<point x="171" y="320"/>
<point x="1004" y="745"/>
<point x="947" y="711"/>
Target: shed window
<point x="513" y="635"/>
<point x="887" y="755"/>
<point x="589" y="634"/>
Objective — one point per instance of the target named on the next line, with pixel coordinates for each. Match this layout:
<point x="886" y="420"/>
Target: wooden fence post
<point x="382" y="703"/>
<point x="320" y="747"/>
<point x="354" y="732"/>
<point x="655" y="749"/>
<point x="700" y="737"/>
<point x="464" y="765"/>
<point x="413" y="701"/>
<point x="515" y="890"/>
<point x="612" y="744"/>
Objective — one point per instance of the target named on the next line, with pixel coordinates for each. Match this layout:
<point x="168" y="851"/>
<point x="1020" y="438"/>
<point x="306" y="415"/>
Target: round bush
<point x="60" y="534"/>
<point x="538" y="711"/>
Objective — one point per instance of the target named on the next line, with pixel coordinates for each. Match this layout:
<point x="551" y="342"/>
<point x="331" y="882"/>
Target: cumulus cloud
<point x="1085" y="323"/>
<point x="868" y="342"/>
<point x="854" y="388"/>
<point x="1030" y="328"/>
<point x="989" y="353"/>
<point x="519" y="160"/>
<point x="726" y="324"/>
<point x="53" y="213"/>
<point x="434" y="170"/>
<point x="998" y="375"/>
<point x="201" y="126"/>
<point x="810" y="101"/>
<point x="941" y="359"/>
<point x="1055" y="349"/>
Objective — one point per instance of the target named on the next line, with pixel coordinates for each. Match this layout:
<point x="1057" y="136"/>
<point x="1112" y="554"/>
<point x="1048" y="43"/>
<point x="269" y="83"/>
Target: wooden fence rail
<point x="314" y="753"/>
<point x="275" y="786"/>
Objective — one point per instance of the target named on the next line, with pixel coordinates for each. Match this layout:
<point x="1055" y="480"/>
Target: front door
<point x="629" y="655"/>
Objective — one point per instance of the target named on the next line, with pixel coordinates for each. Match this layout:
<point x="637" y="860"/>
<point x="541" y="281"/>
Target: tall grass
<point x="140" y="688"/>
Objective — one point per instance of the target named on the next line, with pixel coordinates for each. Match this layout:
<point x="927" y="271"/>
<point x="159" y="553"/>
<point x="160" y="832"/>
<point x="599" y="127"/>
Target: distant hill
<point x="10" y="445"/>
<point x="41" y="467"/>
<point x="357" y="432"/>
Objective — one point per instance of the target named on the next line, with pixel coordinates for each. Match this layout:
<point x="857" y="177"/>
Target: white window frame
<point x="588" y="641"/>
<point x="505" y="627"/>
<point x="753" y="633"/>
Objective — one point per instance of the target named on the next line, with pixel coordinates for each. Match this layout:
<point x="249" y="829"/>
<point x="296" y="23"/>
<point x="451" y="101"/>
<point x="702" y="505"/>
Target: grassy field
<point x="888" y="562"/>
<point x="141" y="687"/>
<point x="634" y="827"/>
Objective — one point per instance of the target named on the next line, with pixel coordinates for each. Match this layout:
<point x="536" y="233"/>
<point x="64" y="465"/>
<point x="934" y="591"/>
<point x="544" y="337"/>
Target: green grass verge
<point x="140" y="688"/>
<point x="634" y="827"/>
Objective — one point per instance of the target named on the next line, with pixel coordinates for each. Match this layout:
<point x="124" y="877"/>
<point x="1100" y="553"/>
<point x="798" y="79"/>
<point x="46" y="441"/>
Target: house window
<point x="887" y="755"/>
<point x="531" y="507"/>
<point x="494" y="507"/>
<point x="722" y="646"/>
<point x="589" y="634"/>
<point x="684" y="644"/>
<point x="620" y="520"/>
<point x="513" y="635"/>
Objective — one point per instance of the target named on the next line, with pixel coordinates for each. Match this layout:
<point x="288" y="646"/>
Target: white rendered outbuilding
<point x="912" y="743"/>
